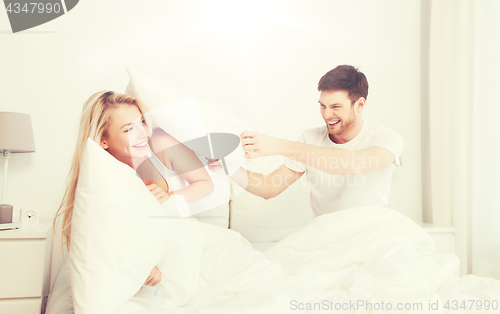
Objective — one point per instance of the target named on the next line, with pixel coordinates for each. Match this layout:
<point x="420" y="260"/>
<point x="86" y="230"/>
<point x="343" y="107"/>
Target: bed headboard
<point x="260" y="220"/>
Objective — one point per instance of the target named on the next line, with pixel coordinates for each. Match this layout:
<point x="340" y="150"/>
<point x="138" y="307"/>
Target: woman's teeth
<point x="140" y="145"/>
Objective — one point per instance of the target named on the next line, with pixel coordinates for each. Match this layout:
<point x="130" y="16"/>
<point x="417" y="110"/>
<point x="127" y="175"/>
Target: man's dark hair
<point x="347" y="78"/>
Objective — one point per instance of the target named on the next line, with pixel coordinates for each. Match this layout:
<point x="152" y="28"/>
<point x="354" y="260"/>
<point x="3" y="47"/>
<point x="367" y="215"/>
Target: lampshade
<point x="16" y="133"/>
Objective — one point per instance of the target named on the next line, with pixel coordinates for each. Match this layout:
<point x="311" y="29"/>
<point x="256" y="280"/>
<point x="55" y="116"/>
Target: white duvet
<point x="359" y="260"/>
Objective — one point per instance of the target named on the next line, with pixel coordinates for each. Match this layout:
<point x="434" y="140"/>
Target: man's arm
<point x="266" y="186"/>
<point x="332" y="160"/>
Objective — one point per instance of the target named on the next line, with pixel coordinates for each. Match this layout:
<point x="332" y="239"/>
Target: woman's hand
<point x="154" y="277"/>
<point x="159" y="193"/>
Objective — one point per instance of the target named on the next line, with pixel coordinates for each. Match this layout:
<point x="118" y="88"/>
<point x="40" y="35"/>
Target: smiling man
<point x="348" y="161"/>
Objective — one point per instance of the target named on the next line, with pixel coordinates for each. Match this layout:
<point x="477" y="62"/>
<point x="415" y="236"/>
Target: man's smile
<point x="332" y="123"/>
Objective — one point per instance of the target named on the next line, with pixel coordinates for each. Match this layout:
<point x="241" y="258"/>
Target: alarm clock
<point x="29" y="217"/>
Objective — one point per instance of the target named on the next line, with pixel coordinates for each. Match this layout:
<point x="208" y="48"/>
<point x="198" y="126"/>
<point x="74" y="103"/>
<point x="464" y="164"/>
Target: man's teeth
<point x="141" y="145"/>
<point x="333" y="122"/>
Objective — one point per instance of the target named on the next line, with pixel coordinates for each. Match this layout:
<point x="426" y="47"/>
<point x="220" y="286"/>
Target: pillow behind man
<point x="115" y="243"/>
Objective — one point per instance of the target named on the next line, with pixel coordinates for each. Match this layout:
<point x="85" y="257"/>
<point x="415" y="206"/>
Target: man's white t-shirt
<point x="330" y="193"/>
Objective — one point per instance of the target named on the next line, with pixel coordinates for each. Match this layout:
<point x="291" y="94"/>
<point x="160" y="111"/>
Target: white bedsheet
<point x="263" y="246"/>
<point x="341" y="260"/>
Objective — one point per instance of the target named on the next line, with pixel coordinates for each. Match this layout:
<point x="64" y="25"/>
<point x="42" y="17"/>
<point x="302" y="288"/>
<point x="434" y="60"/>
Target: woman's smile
<point x="141" y="145"/>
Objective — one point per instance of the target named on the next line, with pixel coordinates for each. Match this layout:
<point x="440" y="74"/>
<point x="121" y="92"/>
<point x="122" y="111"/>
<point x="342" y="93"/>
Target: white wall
<point x="486" y="150"/>
<point x="261" y="60"/>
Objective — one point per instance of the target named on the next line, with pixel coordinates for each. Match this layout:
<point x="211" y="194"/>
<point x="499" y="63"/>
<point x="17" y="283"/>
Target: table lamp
<point x="16" y="136"/>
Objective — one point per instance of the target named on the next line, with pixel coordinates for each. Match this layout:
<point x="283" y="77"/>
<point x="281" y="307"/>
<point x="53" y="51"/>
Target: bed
<point x="243" y="212"/>
<point x="355" y="262"/>
<point x="246" y="255"/>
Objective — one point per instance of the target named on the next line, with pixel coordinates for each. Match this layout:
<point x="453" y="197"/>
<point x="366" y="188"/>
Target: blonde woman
<point x="116" y="121"/>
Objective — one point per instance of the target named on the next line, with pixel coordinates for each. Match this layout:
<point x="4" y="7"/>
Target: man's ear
<point x="360" y="103"/>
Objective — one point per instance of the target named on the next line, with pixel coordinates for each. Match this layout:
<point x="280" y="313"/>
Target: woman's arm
<point x="184" y="161"/>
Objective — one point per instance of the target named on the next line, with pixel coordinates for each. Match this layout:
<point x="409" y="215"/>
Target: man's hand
<point x="257" y="144"/>
<point x="213" y="164"/>
<point x="154" y="277"/>
<point x="159" y="193"/>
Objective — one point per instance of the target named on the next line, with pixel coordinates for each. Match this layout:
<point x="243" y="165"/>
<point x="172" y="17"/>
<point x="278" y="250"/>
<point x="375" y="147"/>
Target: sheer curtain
<point x="461" y="129"/>
<point x="447" y="77"/>
<point x="486" y="148"/>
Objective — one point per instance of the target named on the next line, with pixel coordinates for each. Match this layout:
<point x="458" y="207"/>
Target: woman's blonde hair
<point x="94" y="124"/>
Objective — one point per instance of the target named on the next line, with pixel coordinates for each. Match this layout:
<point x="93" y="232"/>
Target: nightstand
<point x="23" y="270"/>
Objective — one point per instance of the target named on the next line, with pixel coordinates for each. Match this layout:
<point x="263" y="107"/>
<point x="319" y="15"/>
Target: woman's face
<point x="127" y="135"/>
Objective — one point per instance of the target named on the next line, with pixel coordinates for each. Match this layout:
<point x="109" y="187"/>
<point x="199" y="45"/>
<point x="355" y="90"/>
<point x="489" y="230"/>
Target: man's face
<point x="337" y="111"/>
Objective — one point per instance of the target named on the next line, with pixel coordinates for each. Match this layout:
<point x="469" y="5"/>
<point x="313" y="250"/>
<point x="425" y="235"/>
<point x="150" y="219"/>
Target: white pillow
<point x="155" y="93"/>
<point x="187" y="118"/>
<point x="115" y="242"/>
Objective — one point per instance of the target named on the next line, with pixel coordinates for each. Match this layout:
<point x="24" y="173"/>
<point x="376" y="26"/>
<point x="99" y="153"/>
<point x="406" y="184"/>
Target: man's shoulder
<point x="314" y="133"/>
<point x="377" y="133"/>
<point x="375" y="130"/>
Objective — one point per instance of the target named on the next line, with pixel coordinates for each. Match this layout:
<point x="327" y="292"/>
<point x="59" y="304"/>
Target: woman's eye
<point x="143" y="122"/>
